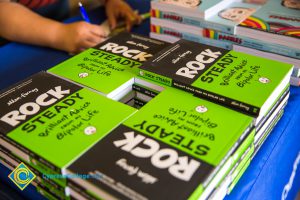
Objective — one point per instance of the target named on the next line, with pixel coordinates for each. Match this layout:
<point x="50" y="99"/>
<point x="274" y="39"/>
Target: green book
<point x="110" y="67"/>
<point x="222" y="190"/>
<point x="11" y="162"/>
<point x="49" y="122"/>
<point x="243" y="82"/>
<point x="177" y="142"/>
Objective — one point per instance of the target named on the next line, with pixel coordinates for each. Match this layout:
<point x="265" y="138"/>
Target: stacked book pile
<point x="138" y="118"/>
<point x="268" y="28"/>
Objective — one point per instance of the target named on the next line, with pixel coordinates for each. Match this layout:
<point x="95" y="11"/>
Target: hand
<point x="78" y="36"/>
<point x="118" y="9"/>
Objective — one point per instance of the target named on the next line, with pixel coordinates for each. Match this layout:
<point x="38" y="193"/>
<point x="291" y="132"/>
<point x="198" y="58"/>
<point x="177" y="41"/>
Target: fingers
<point x="94" y="39"/>
<point x="87" y="43"/>
<point x="130" y="19"/>
<point x="97" y="30"/>
<point x="116" y="9"/>
<point x="112" y="19"/>
<point x="90" y="36"/>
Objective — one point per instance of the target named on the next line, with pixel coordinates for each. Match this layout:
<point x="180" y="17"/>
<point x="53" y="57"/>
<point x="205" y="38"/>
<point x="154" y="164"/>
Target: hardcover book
<point x="239" y="81"/>
<point x="253" y="43"/>
<point x="49" y="122"/>
<point x="52" y="187"/>
<point x="176" y="141"/>
<point x="182" y="31"/>
<point x="278" y="21"/>
<point x="225" y="20"/>
<point x="46" y="192"/>
<point x="199" y="9"/>
<point x="110" y="67"/>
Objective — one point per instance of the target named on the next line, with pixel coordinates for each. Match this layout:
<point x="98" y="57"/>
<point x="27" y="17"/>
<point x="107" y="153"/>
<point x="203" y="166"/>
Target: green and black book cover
<point x="247" y="83"/>
<point x="175" y="142"/>
<point x="111" y="64"/>
<point x="49" y="122"/>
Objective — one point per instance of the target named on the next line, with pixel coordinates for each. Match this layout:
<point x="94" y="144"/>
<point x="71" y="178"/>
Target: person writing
<point x="28" y="21"/>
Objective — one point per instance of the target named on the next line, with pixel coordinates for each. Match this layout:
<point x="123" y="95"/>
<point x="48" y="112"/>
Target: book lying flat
<point x="276" y="22"/>
<point x="186" y="32"/>
<point x="224" y="20"/>
<point x="111" y="66"/>
<point x="13" y="161"/>
<point x="40" y="188"/>
<point x="253" y="43"/>
<point x="198" y="9"/>
<point x="176" y="141"/>
<point x="237" y="80"/>
<point x="49" y="122"/>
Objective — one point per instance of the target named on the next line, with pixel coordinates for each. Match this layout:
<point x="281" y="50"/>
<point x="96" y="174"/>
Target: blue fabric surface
<point x="272" y="167"/>
<point x="268" y="174"/>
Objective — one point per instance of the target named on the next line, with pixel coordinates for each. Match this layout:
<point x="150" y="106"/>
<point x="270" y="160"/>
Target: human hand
<point x="118" y="9"/>
<point x="78" y="36"/>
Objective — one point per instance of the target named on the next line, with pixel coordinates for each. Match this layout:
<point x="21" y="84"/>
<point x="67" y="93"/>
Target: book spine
<point x="272" y="109"/>
<point x="219" y="99"/>
<point x="42" y="188"/>
<point x="235" y="153"/>
<point x="261" y="140"/>
<point x="139" y="102"/>
<point x="155" y="77"/>
<point x="176" y="17"/>
<point x="35" y="161"/>
<point x="191" y="37"/>
<point x="80" y="190"/>
<point x="47" y="194"/>
<point x="144" y="90"/>
<point x="252" y="43"/>
<point x="57" y="189"/>
<point x="238" y="176"/>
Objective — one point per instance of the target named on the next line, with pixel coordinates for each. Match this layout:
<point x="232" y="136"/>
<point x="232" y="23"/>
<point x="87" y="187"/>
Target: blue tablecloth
<point x="274" y="172"/>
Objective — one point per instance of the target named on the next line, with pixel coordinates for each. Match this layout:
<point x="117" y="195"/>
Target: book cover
<point x="292" y="61"/>
<point x="110" y="66"/>
<point x="176" y="142"/>
<point x="225" y="77"/>
<point x="48" y="122"/>
<point x="224" y="20"/>
<point x="200" y="9"/>
<point x="278" y="21"/>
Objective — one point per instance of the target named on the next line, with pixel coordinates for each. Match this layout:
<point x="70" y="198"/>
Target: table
<point x="273" y="172"/>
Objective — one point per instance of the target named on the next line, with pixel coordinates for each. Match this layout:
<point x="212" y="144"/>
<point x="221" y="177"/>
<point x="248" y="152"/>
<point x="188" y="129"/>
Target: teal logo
<point x="22" y="176"/>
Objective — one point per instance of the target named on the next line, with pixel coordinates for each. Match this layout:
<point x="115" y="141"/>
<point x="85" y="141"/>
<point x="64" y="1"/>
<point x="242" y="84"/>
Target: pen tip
<point x="79" y="3"/>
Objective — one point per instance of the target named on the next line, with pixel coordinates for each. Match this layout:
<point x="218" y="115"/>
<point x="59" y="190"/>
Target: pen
<point x="83" y="13"/>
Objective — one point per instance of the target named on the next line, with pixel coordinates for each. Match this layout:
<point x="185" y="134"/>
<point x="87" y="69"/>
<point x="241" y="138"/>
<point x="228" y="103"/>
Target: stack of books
<point x="172" y="122"/>
<point x="235" y="80"/>
<point x="269" y="29"/>
<point x="47" y="123"/>
<point x="110" y="67"/>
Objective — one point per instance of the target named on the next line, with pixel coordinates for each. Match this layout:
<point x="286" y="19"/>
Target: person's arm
<point x="23" y="25"/>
